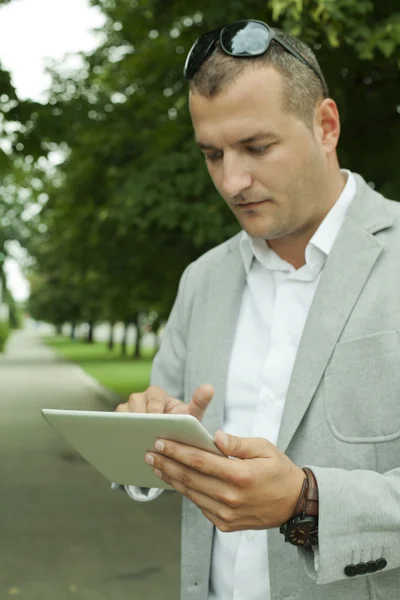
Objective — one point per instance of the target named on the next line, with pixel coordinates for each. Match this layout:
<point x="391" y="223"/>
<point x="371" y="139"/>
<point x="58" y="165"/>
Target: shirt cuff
<point x="310" y="559"/>
<point x="316" y="557"/>
<point x="141" y="494"/>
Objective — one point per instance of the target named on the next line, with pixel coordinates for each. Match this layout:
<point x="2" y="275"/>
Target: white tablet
<point x="115" y="443"/>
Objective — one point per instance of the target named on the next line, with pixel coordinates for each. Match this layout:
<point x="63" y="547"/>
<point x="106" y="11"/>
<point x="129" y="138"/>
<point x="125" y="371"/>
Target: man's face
<point x="266" y="163"/>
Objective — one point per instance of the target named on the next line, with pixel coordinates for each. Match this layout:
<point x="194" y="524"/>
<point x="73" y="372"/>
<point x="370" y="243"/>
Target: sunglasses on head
<point x="244" y="39"/>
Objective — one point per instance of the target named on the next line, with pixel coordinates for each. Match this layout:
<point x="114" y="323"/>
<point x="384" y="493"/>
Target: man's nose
<point x="236" y="178"/>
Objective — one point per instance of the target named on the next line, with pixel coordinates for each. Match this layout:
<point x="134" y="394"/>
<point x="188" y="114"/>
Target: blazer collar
<point x="369" y="208"/>
<point x="344" y="276"/>
<point x="347" y="269"/>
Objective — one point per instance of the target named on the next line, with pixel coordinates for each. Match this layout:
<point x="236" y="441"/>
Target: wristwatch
<point x="302" y="528"/>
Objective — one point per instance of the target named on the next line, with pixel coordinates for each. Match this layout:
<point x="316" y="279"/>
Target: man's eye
<point x="259" y="149"/>
<point x="213" y="157"/>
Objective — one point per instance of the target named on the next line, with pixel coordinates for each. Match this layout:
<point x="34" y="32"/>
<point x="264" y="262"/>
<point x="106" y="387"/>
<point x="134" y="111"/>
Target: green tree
<point x="132" y="204"/>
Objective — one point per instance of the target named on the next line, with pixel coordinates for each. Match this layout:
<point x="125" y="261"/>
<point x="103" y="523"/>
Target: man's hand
<point x="156" y="400"/>
<point x="259" y="490"/>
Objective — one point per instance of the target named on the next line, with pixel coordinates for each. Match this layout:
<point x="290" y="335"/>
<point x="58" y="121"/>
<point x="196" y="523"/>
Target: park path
<point x="63" y="533"/>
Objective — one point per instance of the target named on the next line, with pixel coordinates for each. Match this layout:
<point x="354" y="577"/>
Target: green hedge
<point x="4" y="333"/>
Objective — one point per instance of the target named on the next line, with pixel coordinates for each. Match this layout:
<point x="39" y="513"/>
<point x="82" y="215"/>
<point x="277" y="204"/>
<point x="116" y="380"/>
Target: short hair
<point x="302" y="88"/>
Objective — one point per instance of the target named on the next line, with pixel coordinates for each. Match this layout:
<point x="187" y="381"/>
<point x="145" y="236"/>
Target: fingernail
<point x="149" y="459"/>
<point x="157" y="473"/>
<point x="224" y="439"/>
<point x="159" y="445"/>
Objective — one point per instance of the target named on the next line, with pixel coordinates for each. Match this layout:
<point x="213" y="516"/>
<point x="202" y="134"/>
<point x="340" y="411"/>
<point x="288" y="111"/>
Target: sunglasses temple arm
<point x="214" y="38"/>
<point x="302" y="59"/>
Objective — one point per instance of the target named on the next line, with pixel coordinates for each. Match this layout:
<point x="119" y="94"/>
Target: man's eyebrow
<point x="262" y="135"/>
<point x="205" y="146"/>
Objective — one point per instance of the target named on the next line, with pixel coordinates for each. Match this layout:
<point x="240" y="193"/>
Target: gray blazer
<point x="342" y="412"/>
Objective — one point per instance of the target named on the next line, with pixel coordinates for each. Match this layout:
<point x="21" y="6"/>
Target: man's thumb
<point x="201" y="398"/>
<point x="242" y="447"/>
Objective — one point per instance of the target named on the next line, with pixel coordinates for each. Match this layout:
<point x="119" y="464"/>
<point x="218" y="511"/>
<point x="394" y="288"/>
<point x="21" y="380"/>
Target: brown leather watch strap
<point x="307" y="503"/>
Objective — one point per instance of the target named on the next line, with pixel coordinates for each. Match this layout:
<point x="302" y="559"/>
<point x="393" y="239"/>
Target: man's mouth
<point x="250" y="205"/>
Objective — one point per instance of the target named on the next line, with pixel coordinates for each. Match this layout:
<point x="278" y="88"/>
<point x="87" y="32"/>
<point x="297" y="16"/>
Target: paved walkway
<point x="63" y="533"/>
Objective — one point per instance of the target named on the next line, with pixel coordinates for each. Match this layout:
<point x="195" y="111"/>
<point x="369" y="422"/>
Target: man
<point x="286" y="339"/>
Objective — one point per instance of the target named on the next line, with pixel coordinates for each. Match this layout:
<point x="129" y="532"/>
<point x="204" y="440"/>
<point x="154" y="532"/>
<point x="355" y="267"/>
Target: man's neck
<point x="292" y="248"/>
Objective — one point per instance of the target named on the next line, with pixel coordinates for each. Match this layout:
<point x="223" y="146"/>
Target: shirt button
<point x="250" y="535"/>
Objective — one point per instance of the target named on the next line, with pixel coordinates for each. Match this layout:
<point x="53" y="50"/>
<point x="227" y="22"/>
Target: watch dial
<point x="303" y="534"/>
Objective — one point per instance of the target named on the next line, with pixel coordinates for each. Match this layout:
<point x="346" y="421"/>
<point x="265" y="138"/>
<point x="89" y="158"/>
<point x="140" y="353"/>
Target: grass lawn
<point x="122" y="375"/>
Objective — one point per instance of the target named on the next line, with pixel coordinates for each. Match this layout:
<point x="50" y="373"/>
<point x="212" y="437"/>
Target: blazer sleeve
<point x="168" y="369"/>
<point x="359" y="521"/>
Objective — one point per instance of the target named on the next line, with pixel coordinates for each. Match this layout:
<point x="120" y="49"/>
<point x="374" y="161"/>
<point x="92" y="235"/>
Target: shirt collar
<point x="326" y="233"/>
<point x="318" y="247"/>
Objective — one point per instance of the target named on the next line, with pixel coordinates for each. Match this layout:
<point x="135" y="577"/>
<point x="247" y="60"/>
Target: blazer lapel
<point x="223" y="305"/>
<point x="346" y="271"/>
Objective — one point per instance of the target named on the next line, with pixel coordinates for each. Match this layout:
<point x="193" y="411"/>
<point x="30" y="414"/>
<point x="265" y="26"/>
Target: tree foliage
<point x="12" y="196"/>
<point x="131" y="203"/>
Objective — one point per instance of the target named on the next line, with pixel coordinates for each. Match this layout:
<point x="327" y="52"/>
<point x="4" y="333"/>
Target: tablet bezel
<point x="115" y="442"/>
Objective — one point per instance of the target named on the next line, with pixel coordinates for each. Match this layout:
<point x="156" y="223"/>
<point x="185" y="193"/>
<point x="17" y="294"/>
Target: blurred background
<point x="104" y="199"/>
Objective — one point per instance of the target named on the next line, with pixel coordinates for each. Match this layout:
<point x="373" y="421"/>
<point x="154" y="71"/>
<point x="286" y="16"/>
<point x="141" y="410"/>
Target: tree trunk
<point x="90" y="337"/>
<point x="111" y="343"/>
<point x="124" y="338"/>
<point x="137" y="349"/>
<point x="72" y="334"/>
<point x="59" y="329"/>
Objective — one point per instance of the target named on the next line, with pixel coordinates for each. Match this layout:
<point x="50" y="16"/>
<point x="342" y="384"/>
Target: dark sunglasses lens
<point x="199" y="53"/>
<point x="245" y="38"/>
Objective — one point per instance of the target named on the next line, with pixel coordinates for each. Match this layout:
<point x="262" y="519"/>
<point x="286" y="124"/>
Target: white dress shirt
<point x="274" y="309"/>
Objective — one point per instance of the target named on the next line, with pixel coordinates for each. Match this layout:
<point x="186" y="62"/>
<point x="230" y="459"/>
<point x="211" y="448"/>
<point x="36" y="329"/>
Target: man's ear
<point x="328" y="124"/>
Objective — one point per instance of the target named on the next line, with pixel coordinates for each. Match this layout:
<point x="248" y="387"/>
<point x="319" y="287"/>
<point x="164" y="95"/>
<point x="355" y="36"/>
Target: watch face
<point x="303" y="533"/>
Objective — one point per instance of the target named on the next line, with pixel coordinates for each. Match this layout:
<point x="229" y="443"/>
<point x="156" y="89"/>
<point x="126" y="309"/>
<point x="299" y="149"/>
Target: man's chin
<point x="260" y="233"/>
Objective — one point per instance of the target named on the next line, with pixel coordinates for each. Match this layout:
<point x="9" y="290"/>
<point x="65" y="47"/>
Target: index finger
<point x="155" y="399"/>
<point x="152" y="400"/>
<point x="220" y="467"/>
